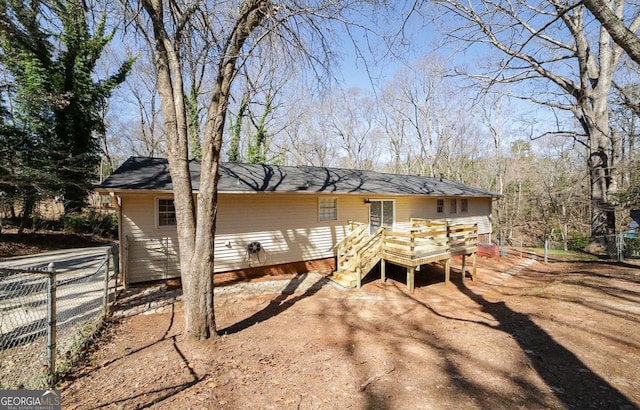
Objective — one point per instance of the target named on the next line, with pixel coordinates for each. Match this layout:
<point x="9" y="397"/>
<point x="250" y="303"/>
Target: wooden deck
<point x="426" y="242"/>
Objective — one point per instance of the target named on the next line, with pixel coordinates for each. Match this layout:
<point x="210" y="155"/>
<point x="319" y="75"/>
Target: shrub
<point x="631" y="247"/>
<point x="92" y="222"/>
<point x="578" y="243"/>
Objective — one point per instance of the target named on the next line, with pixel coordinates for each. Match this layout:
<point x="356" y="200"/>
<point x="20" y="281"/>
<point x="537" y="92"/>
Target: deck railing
<point x="422" y="240"/>
<point x="368" y="254"/>
<point x="425" y="242"/>
<point x="346" y="247"/>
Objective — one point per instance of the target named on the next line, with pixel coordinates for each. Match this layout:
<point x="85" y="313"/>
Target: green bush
<point x="92" y="222"/>
<point x="578" y="243"/>
<point x="109" y="225"/>
<point x="74" y="223"/>
<point x="631" y="247"/>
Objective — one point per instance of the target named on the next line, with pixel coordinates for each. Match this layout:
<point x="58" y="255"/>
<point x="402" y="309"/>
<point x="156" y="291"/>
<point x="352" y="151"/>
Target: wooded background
<point x="529" y="99"/>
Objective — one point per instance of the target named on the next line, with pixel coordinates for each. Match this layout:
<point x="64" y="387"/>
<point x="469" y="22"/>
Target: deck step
<point x="344" y="278"/>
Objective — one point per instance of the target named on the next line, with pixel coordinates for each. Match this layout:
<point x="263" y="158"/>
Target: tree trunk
<point x="197" y="237"/>
<point x="171" y="91"/>
<point x="602" y="212"/>
<point x="200" y="319"/>
<point x="196" y="234"/>
<point x="28" y="205"/>
<point x="602" y="148"/>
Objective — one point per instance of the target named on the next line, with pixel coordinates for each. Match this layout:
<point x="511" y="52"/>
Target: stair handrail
<point x="353" y="227"/>
<point x="359" y="251"/>
<point x="343" y="246"/>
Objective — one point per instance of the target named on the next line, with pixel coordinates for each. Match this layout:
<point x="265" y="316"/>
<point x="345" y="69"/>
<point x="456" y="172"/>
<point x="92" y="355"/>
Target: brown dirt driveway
<point x="525" y="335"/>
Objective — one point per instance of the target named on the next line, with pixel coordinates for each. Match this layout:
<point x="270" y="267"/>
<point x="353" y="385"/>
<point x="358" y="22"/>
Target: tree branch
<point x="623" y="36"/>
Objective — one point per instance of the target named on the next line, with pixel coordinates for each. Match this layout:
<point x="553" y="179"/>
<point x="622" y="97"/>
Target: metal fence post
<point x="521" y="245"/>
<point x="620" y="247"/>
<point x="546" y="250"/>
<point x="115" y="254"/>
<point x="51" y="319"/>
<point x="106" y="282"/>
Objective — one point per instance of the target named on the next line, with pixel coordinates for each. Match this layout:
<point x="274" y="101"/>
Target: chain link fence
<point x="617" y="247"/>
<point x="44" y="319"/>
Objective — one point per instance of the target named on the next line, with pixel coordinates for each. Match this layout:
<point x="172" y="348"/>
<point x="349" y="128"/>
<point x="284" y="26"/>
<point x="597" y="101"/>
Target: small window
<point x="453" y="206"/>
<point x="464" y="206"/>
<point x="328" y="209"/>
<point x="440" y="206"/>
<point x="166" y="213"/>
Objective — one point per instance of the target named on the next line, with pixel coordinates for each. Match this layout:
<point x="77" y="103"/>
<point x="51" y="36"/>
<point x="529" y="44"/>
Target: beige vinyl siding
<point x="286" y="225"/>
<point x="150" y="259"/>
<point x="151" y="252"/>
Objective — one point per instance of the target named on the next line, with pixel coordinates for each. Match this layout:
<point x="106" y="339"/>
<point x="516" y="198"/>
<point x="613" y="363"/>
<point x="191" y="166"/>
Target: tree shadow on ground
<point x="566" y="375"/>
<point x="158" y="395"/>
<point x="429" y="274"/>
<point x="276" y="306"/>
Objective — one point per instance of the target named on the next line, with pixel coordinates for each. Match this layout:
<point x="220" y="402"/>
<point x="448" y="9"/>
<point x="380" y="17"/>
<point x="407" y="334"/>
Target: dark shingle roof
<point x="140" y="173"/>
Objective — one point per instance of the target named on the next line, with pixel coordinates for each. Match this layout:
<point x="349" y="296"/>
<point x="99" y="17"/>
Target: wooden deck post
<point x="473" y="271"/>
<point x="412" y="246"/>
<point x="464" y="259"/>
<point x="359" y="277"/>
<point x="383" y="274"/>
<point x="447" y="271"/>
<point x="410" y="279"/>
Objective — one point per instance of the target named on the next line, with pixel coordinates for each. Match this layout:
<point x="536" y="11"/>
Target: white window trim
<point x="335" y="198"/>
<point x="156" y="214"/>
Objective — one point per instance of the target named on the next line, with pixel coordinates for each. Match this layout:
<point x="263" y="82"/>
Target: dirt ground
<point x="524" y="335"/>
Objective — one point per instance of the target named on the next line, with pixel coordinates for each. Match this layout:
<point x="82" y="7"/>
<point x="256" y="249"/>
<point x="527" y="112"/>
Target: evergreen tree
<point x="51" y="54"/>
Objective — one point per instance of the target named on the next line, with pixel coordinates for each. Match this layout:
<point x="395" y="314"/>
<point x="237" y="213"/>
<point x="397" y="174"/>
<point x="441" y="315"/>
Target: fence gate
<point x="151" y="259"/>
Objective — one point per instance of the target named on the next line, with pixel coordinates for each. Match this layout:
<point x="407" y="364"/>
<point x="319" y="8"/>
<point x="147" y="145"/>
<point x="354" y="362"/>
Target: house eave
<point x="133" y="191"/>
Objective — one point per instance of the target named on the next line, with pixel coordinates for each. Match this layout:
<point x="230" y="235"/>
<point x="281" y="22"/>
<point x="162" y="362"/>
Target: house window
<point x="166" y="212"/>
<point x="453" y="206"/>
<point x="381" y="213"/>
<point x="440" y="206"/>
<point x="464" y="206"/>
<point x="328" y="209"/>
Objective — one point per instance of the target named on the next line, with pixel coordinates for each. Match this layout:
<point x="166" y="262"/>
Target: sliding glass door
<point x="381" y="213"/>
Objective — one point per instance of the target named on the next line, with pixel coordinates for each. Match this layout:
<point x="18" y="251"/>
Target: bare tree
<point x="136" y="122"/>
<point x="548" y="45"/>
<point x="231" y="32"/>
<point x="493" y="115"/>
<point x="351" y="120"/>
<point x="429" y="120"/>
<point x="611" y="18"/>
<point x="304" y="141"/>
<point x="393" y="123"/>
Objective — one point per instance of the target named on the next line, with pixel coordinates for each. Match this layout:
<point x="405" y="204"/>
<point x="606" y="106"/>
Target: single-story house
<point x="271" y="216"/>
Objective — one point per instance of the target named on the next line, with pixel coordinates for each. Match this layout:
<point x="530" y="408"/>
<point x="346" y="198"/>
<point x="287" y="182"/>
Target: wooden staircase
<point x="357" y="254"/>
<point x="427" y="242"/>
